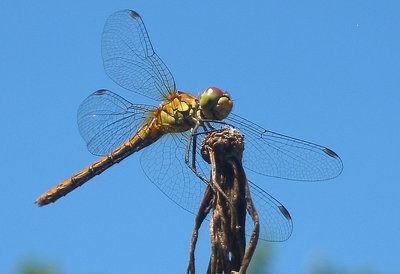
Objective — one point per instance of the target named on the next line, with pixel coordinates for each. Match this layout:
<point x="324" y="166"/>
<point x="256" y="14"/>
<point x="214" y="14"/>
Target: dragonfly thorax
<point x="214" y="104"/>
<point x="179" y="113"/>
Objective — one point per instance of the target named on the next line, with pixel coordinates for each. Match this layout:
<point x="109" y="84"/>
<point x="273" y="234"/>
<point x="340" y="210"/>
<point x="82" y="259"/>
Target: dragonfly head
<point x="215" y="104"/>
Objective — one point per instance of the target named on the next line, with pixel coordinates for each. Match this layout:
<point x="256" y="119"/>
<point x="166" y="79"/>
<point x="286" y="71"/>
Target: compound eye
<point x="215" y="104"/>
<point x="210" y="97"/>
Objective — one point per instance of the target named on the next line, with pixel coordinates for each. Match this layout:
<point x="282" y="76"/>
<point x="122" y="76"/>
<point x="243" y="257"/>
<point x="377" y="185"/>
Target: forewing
<point x="276" y="155"/>
<point x="106" y="120"/>
<point x="129" y="58"/>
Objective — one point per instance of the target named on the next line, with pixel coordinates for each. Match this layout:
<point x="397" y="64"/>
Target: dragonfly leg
<point x="192" y="145"/>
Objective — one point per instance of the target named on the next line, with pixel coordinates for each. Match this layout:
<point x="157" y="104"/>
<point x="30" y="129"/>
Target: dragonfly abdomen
<point x="144" y="137"/>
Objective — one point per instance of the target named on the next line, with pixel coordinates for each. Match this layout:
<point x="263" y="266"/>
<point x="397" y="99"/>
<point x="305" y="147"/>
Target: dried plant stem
<point x="229" y="198"/>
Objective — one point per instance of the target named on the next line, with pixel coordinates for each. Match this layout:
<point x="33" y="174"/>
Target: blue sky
<point x="323" y="71"/>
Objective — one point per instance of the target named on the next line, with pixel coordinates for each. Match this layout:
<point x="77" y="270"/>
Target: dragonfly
<point x="169" y="136"/>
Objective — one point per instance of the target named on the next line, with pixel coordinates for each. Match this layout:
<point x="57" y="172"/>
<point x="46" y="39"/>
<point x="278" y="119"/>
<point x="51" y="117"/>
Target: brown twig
<point x="228" y="196"/>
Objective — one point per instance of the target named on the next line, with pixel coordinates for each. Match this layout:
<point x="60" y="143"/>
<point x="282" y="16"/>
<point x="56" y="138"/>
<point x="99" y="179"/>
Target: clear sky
<point x="323" y="71"/>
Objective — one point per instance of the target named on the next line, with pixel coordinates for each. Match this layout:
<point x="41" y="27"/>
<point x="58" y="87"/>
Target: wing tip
<point x="285" y="212"/>
<point x="330" y="153"/>
<point x="134" y="14"/>
<point x="100" y="92"/>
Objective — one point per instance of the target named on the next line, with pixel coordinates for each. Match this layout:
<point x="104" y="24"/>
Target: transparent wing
<point x="129" y="58"/>
<point x="276" y="155"/>
<point x="106" y="120"/>
<point x="275" y="221"/>
<point x="164" y="164"/>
